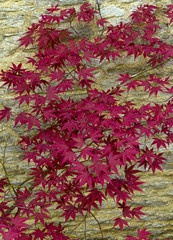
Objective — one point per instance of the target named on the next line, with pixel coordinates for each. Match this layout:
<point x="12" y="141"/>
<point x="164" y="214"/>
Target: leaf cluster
<point x="85" y="151"/>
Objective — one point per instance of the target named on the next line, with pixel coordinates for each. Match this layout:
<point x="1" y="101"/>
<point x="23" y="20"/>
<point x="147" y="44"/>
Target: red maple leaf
<point x="26" y="118"/>
<point x="143" y="233"/>
<point x="48" y="114"/>
<point x="126" y="210"/>
<point x="3" y="207"/>
<point x="24" y="98"/>
<point x="6" y="112"/>
<point x="69" y="211"/>
<point x="52" y="93"/>
<point x="120" y="222"/>
<point x="19" y="222"/>
<point x="26" y="40"/>
<point x="84" y="73"/>
<point x="10" y="234"/>
<point x="101" y="170"/>
<point x="169" y="12"/>
<point x="21" y="197"/>
<point x="159" y="142"/>
<point x="136" y="212"/>
<point x="39" y="234"/>
<point x="94" y="196"/>
<point x="113" y="162"/>
<point x="124" y="78"/>
<point x="57" y="75"/>
<point x="122" y="195"/>
<point x="86" y="13"/>
<point x="83" y="175"/>
<point x="101" y="22"/>
<point x="79" y="142"/>
<point x="53" y="9"/>
<point x="40" y="217"/>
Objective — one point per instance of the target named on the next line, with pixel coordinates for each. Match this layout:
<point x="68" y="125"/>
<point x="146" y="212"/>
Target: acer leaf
<point x="40" y="217"/>
<point x="83" y="73"/>
<point x="19" y="222"/>
<point x="101" y="22"/>
<point x="143" y="233"/>
<point x="136" y="212"/>
<point x="69" y="211"/>
<point x="6" y="112"/>
<point x="86" y="13"/>
<point x="169" y="12"/>
<point x="53" y="9"/>
<point x="52" y="93"/>
<point x="120" y="222"/>
<point x="26" y="40"/>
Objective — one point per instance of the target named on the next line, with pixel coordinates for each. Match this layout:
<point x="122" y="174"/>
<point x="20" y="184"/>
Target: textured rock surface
<point x="15" y="17"/>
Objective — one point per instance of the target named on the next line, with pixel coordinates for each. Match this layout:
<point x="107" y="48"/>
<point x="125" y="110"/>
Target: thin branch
<point x="5" y="171"/>
<point x="20" y="185"/>
<point x="98" y="224"/>
<point x="74" y="30"/>
<point x="85" y="227"/>
<point x="99" y="10"/>
<point x="77" y="226"/>
<point x="162" y="100"/>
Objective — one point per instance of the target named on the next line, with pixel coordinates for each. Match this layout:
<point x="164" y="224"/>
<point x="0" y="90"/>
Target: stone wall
<point x="15" y="17"/>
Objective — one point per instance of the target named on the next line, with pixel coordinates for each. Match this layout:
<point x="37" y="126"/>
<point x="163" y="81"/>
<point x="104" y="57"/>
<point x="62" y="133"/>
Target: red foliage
<point x="84" y="151"/>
